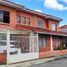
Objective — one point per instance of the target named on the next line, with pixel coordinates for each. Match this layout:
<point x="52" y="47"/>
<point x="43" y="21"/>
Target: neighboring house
<point x="64" y="29"/>
<point x="26" y="34"/>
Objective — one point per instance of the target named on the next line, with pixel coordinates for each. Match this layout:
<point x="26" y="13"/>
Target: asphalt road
<point x="55" y="63"/>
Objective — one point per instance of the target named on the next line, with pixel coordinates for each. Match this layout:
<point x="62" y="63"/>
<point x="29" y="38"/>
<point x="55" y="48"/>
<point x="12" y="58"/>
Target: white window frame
<point x="53" y="27"/>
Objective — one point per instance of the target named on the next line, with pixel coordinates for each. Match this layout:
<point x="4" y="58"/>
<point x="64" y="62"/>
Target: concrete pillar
<point x="51" y="42"/>
<point x="32" y="42"/>
<point x="8" y="46"/>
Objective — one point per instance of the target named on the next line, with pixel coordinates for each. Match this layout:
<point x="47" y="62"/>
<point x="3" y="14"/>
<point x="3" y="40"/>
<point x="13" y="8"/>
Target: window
<point x="3" y="43"/>
<point x="53" y="27"/>
<point x="42" y="41"/>
<point x="57" y="42"/>
<point x="1" y="16"/>
<point x="40" y="23"/>
<point x="28" y="20"/>
<point x="24" y="20"/>
<point x="19" y="41"/>
<point x="4" y="16"/>
<point x="2" y="39"/>
<point x="18" y="19"/>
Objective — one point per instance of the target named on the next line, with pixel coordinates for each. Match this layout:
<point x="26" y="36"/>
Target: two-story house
<point x="26" y="34"/>
<point x="64" y="29"/>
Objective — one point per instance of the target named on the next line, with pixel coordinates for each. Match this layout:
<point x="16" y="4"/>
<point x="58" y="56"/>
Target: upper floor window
<point x="18" y="19"/>
<point x="28" y="20"/>
<point x="53" y="27"/>
<point x="1" y="16"/>
<point x="4" y="16"/>
<point x="40" y="23"/>
<point x="24" y="20"/>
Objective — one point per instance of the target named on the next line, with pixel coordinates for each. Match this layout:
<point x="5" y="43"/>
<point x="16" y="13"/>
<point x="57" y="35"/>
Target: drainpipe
<point x="51" y="42"/>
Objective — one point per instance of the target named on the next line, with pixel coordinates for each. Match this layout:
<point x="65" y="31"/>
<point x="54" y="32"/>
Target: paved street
<point x="56" y="63"/>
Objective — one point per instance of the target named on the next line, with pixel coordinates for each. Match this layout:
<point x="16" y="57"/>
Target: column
<point x="8" y="46"/>
<point x="51" y="42"/>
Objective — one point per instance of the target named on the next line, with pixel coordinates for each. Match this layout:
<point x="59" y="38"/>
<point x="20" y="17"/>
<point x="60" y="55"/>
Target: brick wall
<point x="52" y="53"/>
<point x="3" y="58"/>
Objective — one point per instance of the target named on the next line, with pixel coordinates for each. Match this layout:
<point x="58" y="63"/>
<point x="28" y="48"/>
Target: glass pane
<point x="2" y="43"/>
<point x="40" y="23"/>
<point x="20" y="41"/>
<point x="6" y="17"/>
<point x="53" y="27"/>
<point x="57" y="42"/>
<point x="1" y="16"/>
<point x="18" y="19"/>
<point x="28" y="20"/>
<point x="2" y="36"/>
<point x="24" y="20"/>
<point x="42" y="41"/>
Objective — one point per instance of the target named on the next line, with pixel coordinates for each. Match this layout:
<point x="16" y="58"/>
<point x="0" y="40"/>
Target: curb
<point x="51" y="59"/>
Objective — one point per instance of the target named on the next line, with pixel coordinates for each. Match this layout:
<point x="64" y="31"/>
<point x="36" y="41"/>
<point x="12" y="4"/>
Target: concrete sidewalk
<point x="34" y="62"/>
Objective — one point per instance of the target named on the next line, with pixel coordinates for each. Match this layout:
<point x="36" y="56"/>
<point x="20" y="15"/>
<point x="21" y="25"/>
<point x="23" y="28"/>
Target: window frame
<point x="18" y="19"/>
<point x="58" y="42"/>
<point x="54" y="27"/>
<point x="40" y="23"/>
<point x="28" y="21"/>
<point x="24" y="20"/>
<point x="5" y="14"/>
<point x="43" y="42"/>
<point x="1" y="18"/>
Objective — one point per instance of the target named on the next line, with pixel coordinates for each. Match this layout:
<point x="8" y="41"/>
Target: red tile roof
<point x="63" y="27"/>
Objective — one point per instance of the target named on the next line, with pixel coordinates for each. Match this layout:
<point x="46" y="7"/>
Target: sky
<point x="57" y="8"/>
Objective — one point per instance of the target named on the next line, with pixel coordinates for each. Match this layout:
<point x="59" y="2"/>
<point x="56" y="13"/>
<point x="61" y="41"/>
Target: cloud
<point x="53" y="4"/>
<point x="65" y="1"/>
<point x="38" y="10"/>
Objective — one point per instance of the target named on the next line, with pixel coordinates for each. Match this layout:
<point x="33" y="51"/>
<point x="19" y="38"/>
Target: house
<point x="64" y="29"/>
<point x="26" y="34"/>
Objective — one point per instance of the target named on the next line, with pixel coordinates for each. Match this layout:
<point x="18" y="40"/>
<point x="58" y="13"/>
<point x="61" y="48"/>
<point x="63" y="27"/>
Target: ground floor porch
<point x="18" y="46"/>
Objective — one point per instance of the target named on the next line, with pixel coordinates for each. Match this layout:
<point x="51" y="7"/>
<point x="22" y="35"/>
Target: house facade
<point x="26" y="34"/>
<point x="64" y="29"/>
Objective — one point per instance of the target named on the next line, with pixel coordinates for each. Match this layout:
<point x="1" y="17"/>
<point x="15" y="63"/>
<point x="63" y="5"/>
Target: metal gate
<point x="21" y="47"/>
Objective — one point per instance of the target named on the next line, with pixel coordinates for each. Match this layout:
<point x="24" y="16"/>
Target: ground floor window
<point x="42" y="41"/>
<point x="3" y="43"/>
<point x="19" y="41"/>
<point x="57" y="42"/>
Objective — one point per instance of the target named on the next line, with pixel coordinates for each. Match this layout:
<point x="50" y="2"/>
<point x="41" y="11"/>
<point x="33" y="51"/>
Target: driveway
<point x="55" y="63"/>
